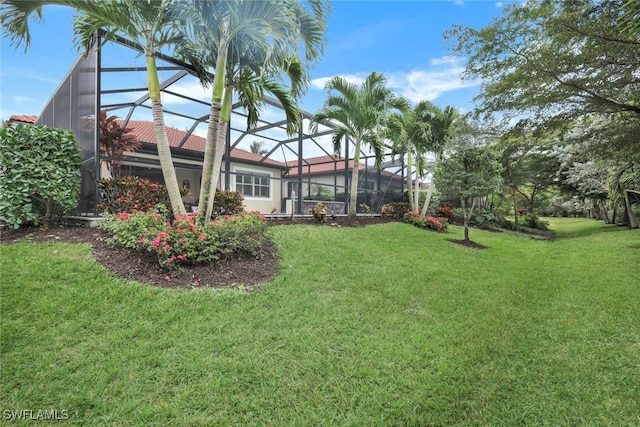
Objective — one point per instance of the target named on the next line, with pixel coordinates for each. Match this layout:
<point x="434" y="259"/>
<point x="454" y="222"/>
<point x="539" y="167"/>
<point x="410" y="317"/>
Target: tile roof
<point x="321" y="165"/>
<point x="145" y="133"/>
<point x="23" y="119"/>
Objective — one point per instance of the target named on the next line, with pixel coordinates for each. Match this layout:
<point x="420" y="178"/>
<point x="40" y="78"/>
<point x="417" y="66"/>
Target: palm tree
<point x="442" y="128"/>
<point x="151" y="23"/>
<point x="256" y="147"/>
<point x="361" y="114"/>
<point x="410" y="132"/>
<point x="253" y="46"/>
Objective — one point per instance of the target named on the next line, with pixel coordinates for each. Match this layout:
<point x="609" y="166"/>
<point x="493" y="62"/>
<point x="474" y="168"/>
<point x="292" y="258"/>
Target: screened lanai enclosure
<point x="289" y="174"/>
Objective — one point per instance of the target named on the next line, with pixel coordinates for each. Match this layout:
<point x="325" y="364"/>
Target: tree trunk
<point x="516" y="217"/>
<point x="633" y="222"/>
<point x="410" y="179"/>
<point x="353" y="197"/>
<point x="416" y="196"/>
<point x="605" y="211"/>
<point x="208" y="177"/>
<point x="431" y="186"/>
<point x="217" y="162"/>
<point x="427" y="200"/>
<point x="466" y="216"/>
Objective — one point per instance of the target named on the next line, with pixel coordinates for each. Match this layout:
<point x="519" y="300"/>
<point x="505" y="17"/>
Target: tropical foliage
<point x="39" y="174"/>
<point x="469" y="170"/>
<point x="253" y="46"/>
<point x="361" y="114"/>
<point x="182" y="242"/>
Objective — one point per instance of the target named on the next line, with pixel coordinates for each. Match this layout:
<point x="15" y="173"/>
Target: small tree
<point x="468" y="170"/>
<point x="115" y="140"/>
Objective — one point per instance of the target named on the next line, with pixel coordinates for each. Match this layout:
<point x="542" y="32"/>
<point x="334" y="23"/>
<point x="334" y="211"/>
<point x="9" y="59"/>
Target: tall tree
<point x="361" y="114"/>
<point x="253" y="46"/>
<point x="554" y="61"/>
<point x="442" y="129"/>
<point x="468" y="170"/>
<point x="151" y="23"/>
<point x="410" y="132"/>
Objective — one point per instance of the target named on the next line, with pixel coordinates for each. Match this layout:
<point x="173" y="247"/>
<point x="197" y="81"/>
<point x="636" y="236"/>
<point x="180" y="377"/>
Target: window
<point x="253" y="185"/>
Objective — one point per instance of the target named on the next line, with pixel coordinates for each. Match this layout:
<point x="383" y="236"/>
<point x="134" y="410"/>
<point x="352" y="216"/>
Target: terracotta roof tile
<point x="145" y="133"/>
<point x="321" y="165"/>
<point x="23" y="119"/>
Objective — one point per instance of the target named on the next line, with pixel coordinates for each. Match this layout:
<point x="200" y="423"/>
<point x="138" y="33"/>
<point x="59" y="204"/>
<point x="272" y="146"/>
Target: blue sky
<point x="401" y="39"/>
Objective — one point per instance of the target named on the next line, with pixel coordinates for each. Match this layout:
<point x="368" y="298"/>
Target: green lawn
<point x="382" y="325"/>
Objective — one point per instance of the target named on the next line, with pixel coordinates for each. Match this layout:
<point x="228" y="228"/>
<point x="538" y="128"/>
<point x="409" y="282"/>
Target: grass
<point x="382" y="325"/>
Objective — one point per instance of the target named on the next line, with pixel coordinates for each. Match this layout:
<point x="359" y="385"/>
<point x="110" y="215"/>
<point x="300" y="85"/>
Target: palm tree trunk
<point x="353" y="196"/>
<point x="209" y="177"/>
<point x="427" y="200"/>
<point x="220" y="144"/>
<point x="162" y="141"/>
<point x="206" y="185"/>
<point x="410" y="176"/>
<point x="416" y="196"/>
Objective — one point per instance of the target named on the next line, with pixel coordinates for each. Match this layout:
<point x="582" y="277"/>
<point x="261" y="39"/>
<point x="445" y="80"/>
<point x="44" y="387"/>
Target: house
<point x="109" y="79"/>
<point x="325" y="178"/>
<point x="258" y="181"/>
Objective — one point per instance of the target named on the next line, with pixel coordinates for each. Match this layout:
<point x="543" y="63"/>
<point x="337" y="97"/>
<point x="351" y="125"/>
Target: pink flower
<point x="156" y="243"/>
<point x="123" y="216"/>
<point x="196" y="283"/>
<point x="167" y="278"/>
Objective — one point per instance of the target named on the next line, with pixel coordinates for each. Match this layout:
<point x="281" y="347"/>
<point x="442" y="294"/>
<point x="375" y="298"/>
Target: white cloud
<point x="357" y="79"/>
<point x="443" y="75"/>
<point x="418" y="85"/>
<point x="500" y="4"/>
<point x="191" y="88"/>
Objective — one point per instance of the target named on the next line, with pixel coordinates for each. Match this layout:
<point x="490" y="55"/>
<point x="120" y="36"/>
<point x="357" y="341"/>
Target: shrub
<point x="445" y="210"/>
<point x="227" y="203"/>
<point x="320" y="212"/>
<point x="394" y="210"/>
<point x="532" y="221"/>
<point x="132" y="194"/>
<point x="427" y="221"/>
<point x="181" y="242"/>
<point x="39" y="174"/>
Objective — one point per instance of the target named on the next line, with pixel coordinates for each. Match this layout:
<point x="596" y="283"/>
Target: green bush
<point x="427" y="221"/>
<point x="394" y="210"/>
<point x="532" y="221"/>
<point x="227" y="203"/>
<point x="39" y="174"/>
<point x="320" y="212"/>
<point x="132" y="194"/>
<point x="181" y="242"/>
<point x="488" y="218"/>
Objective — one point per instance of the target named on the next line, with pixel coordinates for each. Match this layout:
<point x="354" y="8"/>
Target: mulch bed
<point x="143" y="267"/>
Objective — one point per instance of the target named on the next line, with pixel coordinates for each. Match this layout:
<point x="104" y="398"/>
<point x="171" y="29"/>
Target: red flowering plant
<point x="446" y="211"/>
<point x="181" y="242"/>
<point x="426" y="221"/>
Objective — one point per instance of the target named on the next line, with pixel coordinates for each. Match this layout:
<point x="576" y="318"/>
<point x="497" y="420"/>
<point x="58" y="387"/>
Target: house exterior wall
<point x="190" y="172"/>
